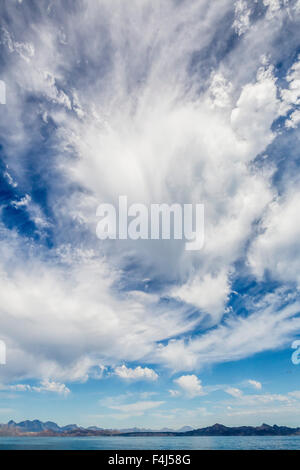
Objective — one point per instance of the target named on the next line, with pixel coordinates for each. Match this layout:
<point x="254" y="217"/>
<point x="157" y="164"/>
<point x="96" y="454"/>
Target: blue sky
<point x="165" y="102"/>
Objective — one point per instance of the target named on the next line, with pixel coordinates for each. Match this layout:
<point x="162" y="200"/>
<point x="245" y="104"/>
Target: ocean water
<point x="159" y="443"/>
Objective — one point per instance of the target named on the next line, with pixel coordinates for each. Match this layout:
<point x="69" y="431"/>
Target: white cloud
<point x="264" y="398"/>
<point x="274" y="249"/>
<point x="100" y="327"/>
<point x="220" y="91"/>
<point x="34" y="211"/>
<point x="24" y="201"/>
<point x="242" y="17"/>
<point x="209" y="294"/>
<point x="264" y="404"/>
<point x="297" y="6"/>
<point x="256" y="109"/>
<point x="293" y="120"/>
<point x="190" y="384"/>
<point x="46" y="385"/>
<point x="295" y="394"/>
<point x="138" y="408"/>
<point x="275" y="246"/>
<point x="274" y="7"/>
<point x="10" y="180"/>
<point x="51" y="386"/>
<point x="139" y="373"/>
<point x="255" y="384"/>
<point x="233" y="391"/>
<point x="143" y="115"/>
<point x="24" y="49"/>
<point x="291" y="95"/>
<point x="236" y="338"/>
<point x="20" y="388"/>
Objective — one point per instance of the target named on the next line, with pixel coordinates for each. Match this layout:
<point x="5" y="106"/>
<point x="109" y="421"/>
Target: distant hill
<point x="221" y="430"/>
<point x="263" y="430"/>
<point x="34" y="426"/>
<point x="49" y="428"/>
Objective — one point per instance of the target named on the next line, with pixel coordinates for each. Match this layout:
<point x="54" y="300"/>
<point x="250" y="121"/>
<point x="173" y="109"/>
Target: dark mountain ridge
<point x="263" y="430"/>
<point x="49" y="428"/>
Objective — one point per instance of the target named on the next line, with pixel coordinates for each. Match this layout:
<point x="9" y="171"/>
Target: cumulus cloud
<point x="190" y="384"/>
<point x="46" y="385"/>
<point x="139" y="373"/>
<point x="274" y="249"/>
<point x="257" y="108"/>
<point x="51" y="386"/>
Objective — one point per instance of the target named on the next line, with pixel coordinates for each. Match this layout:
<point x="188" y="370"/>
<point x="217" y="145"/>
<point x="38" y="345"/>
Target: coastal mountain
<point x="221" y="430"/>
<point x="32" y="426"/>
<point x="49" y="428"/>
<point x="263" y="430"/>
<point x="40" y="428"/>
<point x="142" y="430"/>
<point x="36" y="426"/>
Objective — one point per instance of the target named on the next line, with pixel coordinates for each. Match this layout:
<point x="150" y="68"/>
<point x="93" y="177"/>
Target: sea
<point x="151" y="443"/>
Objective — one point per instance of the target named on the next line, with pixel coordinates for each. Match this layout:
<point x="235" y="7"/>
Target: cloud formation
<point x="190" y="384"/>
<point x="139" y="373"/>
<point x="255" y="384"/>
<point x="172" y="114"/>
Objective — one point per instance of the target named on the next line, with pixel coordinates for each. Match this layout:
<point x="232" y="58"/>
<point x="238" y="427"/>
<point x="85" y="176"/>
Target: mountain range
<point x="49" y="428"/>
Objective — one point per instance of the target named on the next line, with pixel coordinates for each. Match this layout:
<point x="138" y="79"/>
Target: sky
<point x="172" y="101"/>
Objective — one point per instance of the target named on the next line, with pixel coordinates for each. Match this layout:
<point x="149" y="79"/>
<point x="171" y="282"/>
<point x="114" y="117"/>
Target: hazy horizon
<point x="112" y="113"/>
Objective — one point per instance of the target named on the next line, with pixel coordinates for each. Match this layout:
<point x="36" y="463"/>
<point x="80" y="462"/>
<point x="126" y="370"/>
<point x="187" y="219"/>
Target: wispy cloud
<point x="255" y="384"/>
<point x="138" y="408"/>
<point x="169" y="113"/>
<point x="235" y="392"/>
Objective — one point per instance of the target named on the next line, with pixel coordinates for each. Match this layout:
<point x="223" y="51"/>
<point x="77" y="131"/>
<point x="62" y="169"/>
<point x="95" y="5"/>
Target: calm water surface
<point x="159" y="443"/>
